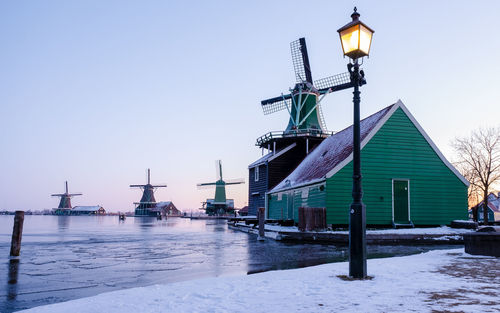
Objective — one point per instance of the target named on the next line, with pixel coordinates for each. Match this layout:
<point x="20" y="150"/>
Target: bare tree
<point x="478" y="157"/>
<point x="474" y="195"/>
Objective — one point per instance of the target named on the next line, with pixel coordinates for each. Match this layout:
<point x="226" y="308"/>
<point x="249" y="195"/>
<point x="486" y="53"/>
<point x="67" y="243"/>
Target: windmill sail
<point x="235" y="181"/>
<point x="300" y="61"/>
<point x="218" y="169"/>
<point x="276" y="104"/>
<point x="333" y="83"/>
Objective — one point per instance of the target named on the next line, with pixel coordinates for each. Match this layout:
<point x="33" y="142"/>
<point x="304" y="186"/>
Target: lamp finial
<point x="355" y="15"/>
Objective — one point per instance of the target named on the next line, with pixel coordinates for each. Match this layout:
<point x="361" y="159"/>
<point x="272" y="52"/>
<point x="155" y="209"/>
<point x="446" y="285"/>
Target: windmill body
<point x="306" y="129"/>
<point x="147" y="205"/>
<point x="219" y="205"/>
<point x="64" y="207"/>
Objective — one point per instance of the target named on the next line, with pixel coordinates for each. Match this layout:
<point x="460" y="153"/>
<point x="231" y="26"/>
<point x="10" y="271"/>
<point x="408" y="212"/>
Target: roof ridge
<point x="350" y="126"/>
<point x="331" y="152"/>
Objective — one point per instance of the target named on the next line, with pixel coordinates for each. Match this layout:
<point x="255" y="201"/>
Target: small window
<point x="256" y="173"/>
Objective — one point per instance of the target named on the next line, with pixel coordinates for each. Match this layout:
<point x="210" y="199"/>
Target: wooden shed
<point x="406" y="179"/>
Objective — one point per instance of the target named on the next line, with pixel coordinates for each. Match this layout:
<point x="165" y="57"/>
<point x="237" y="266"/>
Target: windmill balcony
<point x="309" y="132"/>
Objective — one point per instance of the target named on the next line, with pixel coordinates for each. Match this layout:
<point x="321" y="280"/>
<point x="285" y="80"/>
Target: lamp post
<point x="356" y="41"/>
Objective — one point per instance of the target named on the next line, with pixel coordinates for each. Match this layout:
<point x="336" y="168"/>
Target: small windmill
<point x="303" y="103"/>
<point x="146" y="206"/>
<point x="65" y="202"/>
<point x="220" y="204"/>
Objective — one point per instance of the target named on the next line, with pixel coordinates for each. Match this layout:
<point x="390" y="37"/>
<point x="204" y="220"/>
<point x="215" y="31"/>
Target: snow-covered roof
<point x="493" y="202"/>
<point x="163" y="204"/>
<point x="271" y="156"/>
<point x="331" y="152"/>
<point x="262" y="160"/>
<point x="86" y="208"/>
<point x="335" y="152"/>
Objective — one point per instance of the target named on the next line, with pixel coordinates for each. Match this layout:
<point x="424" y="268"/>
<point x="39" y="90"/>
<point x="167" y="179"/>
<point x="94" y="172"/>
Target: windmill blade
<point x="235" y="181"/>
<point x="139" y="186"/>
<point x="205" y="186"/>
<point x="58" y="195"/>
<point x="276" y="104"/>
<point x="159" y="186"/>
<point x="217" y="170"/>
<point x="75" y="194"/>
<point x="334" y="83"/>
<point x="300" y="61"/>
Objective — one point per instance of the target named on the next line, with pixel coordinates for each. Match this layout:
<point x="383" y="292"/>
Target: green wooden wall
<point x="398" y="150"/>
<point x="285" y="205"/>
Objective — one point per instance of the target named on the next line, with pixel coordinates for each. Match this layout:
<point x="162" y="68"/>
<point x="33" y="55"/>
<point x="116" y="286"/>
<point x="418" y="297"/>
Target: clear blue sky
<point x="95" y="92"/>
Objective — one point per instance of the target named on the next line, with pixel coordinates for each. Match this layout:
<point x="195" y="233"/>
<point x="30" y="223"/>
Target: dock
<point x="418" y="236"/>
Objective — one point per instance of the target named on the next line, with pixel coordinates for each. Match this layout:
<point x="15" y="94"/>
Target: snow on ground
<point x="441" y="280"/>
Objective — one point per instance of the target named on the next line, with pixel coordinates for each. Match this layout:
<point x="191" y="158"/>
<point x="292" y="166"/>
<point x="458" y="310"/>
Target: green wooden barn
<point x="406" y="179"/>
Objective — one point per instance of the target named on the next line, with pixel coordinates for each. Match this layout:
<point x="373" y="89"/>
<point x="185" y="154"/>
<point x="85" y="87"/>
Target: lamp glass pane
<point x="350" y="39"/>
<point x="365" y="39"/>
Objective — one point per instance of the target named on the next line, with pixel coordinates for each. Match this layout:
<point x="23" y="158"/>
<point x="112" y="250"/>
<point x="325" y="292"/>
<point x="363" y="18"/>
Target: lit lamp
<point x="356" y="40"/>
<point x="356" y="37"/>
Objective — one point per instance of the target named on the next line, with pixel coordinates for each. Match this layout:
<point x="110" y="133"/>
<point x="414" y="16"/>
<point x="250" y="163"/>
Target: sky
<point x="96" y="92"/>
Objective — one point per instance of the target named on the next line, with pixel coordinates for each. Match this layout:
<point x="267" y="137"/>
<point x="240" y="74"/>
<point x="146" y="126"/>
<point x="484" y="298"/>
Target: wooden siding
<point x="277" y="205"/>
<point x="398" y="150"/>
<point x="285" y="205"/>
<point x="260" y="186"/>
<point x="273" y="172"/>
<point x="282" y="166"/>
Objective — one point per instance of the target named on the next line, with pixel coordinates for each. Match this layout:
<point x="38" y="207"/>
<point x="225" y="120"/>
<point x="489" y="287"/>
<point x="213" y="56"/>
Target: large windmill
<point x="219" y="205"/>
<point x="65" y="202"/>
<point x="147" y="205"/>
<point x="303" y="102"/>
<point x="306" y="127"/>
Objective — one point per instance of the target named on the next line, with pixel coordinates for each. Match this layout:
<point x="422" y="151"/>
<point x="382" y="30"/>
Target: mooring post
<point x="302" y="219"/>
<point x="262" y="213"/>
<point x="17" y="233"/>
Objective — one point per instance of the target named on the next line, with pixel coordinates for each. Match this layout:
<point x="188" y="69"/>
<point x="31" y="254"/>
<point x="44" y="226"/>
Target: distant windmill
<point x="65" y="202"/>
<point x="220" y="204"/>
<point x="146" y="206"/>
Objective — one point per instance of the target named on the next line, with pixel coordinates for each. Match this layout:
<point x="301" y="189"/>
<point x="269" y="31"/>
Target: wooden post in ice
<point x="262" y="213"/>
<point x="17" y="233"/>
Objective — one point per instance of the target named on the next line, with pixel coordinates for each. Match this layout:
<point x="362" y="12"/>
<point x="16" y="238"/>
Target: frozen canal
<point x="65" y="258"/>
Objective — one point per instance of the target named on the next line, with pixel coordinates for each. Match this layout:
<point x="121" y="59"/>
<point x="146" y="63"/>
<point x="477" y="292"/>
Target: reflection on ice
<point x="12" y="280"/>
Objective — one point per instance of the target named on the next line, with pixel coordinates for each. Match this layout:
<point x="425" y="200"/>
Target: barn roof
<point x="335" y="152"/>
<point x="163" y="204"/>
<point x="493" y="202"/>
<point x="271" y="156"/>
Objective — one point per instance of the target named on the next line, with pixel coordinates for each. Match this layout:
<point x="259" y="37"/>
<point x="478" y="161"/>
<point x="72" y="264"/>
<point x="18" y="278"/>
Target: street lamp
<point x="356" y="40"/>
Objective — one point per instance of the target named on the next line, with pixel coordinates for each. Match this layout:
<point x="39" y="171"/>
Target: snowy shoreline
<point x="430" y="235"/>
<point x="436" y="280"/>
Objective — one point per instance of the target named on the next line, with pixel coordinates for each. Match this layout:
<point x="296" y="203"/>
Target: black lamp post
<point x="356" y="40"/>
